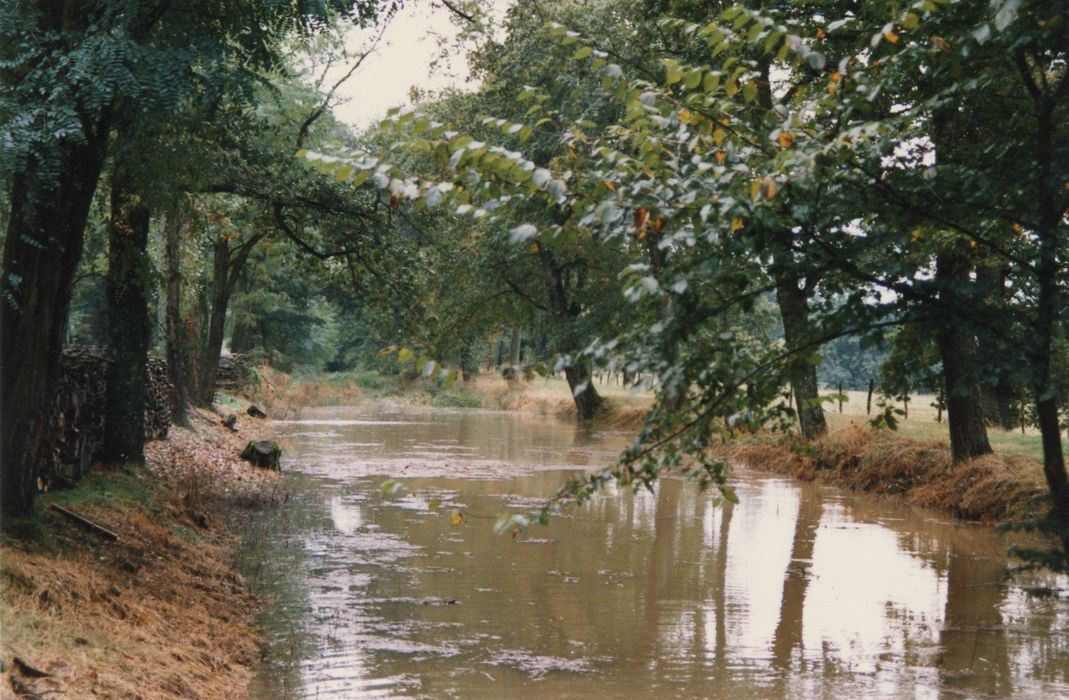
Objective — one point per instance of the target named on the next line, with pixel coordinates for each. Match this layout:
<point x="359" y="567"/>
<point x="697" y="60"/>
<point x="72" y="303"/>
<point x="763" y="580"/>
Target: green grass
<point x="121" y="486"/>
<point x="223" y="398"/>
<point x="1009" y="443"/>
<point x="457" y="399"/>
<point x="372" y="381"/>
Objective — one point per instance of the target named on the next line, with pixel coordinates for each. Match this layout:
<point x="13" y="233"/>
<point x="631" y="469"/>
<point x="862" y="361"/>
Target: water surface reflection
<point x="797" y="591"/>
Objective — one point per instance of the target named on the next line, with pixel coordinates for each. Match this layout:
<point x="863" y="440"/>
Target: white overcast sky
<point x="403" y="59"/>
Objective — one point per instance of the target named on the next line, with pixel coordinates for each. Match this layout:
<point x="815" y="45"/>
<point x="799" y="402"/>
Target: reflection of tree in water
<point x="720" y="592"/>
<point x="974" y="655"/>
<point x="667" y="583"/>
<point x="788" y="635"/>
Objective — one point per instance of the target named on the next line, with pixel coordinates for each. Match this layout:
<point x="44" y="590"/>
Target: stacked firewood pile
<point x="157" y="400"/>
<point x="78" y="413"/>
<point x="235" y="372"/>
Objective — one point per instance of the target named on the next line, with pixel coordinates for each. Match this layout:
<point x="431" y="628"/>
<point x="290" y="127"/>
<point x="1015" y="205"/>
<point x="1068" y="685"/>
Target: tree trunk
<point x="220" y="299"/>
<point x="957" y="349"/>
<point x="42" y="249"/>
<point x="178" y="369"/>
<point x="242" y="336"/>
<point x="1004" y="394"/>
<point x="514" y="355"/>
<point x="1049" y="304"/>
<point x="129" y="328"/>
<point x="227" y="265"/>
<point x="794" y="312"/>
<point x="587" y="401"/>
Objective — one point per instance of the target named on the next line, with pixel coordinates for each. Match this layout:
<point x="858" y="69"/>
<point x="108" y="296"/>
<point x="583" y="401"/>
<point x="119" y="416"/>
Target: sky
<point x="402" y="59"/>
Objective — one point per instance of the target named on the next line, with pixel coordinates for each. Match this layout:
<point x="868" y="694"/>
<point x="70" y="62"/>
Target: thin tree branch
<point x="321" y="108"/>
<point x="458" y="12"/>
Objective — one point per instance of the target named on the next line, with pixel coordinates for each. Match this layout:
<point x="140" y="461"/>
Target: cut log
<point x="231" y="422"/>
<point x="87" y="524"/>
<point x="256" y="412"/>
<point x="265" y="454"/>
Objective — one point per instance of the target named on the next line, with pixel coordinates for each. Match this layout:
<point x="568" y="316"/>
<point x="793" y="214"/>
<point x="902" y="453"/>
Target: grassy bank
<point x="999" y="487"/>
<point x="284" y="394"/>
<point x="158" y="613"/>
<point x="912" y="463"/>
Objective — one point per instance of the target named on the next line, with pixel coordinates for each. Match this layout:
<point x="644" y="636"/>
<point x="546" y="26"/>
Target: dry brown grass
<point x="989" y="489"/>
<point x="158" y="614"/>
<point x="280" y="394"/>
<point x="551" y="397"/>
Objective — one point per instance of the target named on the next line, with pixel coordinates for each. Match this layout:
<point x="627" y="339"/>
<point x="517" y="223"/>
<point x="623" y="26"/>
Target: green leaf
<point x="343" y="173"/>
<point x="673" y="73"/>
<point x="770" y="43"/>
<point x="582" y="52"/>
<point x="749" y="90"/>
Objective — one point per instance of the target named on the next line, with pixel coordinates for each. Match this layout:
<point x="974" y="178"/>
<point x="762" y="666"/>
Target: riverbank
<point x="158" y="613"/>
<point x="284" y="394"/>
<point x="990" y="489"/>
<point x="912" y="463"/>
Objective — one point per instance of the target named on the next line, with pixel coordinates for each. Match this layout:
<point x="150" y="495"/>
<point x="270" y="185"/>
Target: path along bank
<point x="159" y="613"/>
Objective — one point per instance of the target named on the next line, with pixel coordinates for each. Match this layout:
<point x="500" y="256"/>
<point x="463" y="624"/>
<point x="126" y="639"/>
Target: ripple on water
<point x="795" y="591"/>
<point x="537" y="666"/>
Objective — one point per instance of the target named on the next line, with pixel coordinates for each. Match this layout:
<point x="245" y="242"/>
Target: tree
<point x="69" y="67"/>
<point x="838" y="181"/>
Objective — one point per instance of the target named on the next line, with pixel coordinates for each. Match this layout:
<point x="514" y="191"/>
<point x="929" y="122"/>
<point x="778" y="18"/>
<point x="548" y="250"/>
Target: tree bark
<point x="42" y="249"/>
<point x="957" y="349"/>
<point x="515" y="348"/>
<point x="587" y="401"/>
<point x="1049" y="303"/>
<point x="129" y="328"/>
<point x="793" y="305"/>
<point x="227" y="264"/>
<point x="220" y="299"/>
<point x="178" y="369"/>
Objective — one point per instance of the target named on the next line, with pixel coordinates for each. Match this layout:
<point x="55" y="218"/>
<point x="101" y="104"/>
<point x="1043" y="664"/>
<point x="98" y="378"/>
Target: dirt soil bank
<point x="158" y="614"/>
<point x="989" y="489"/>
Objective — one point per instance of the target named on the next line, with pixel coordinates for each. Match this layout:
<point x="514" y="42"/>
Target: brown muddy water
<point x="799" y="591"/>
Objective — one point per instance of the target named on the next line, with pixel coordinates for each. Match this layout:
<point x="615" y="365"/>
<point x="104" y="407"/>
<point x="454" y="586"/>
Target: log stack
<point x="158" y="392"/>
<point x="235" y="372"/>
<point x="78" y="413"/>
<point x="77" y="416"/>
